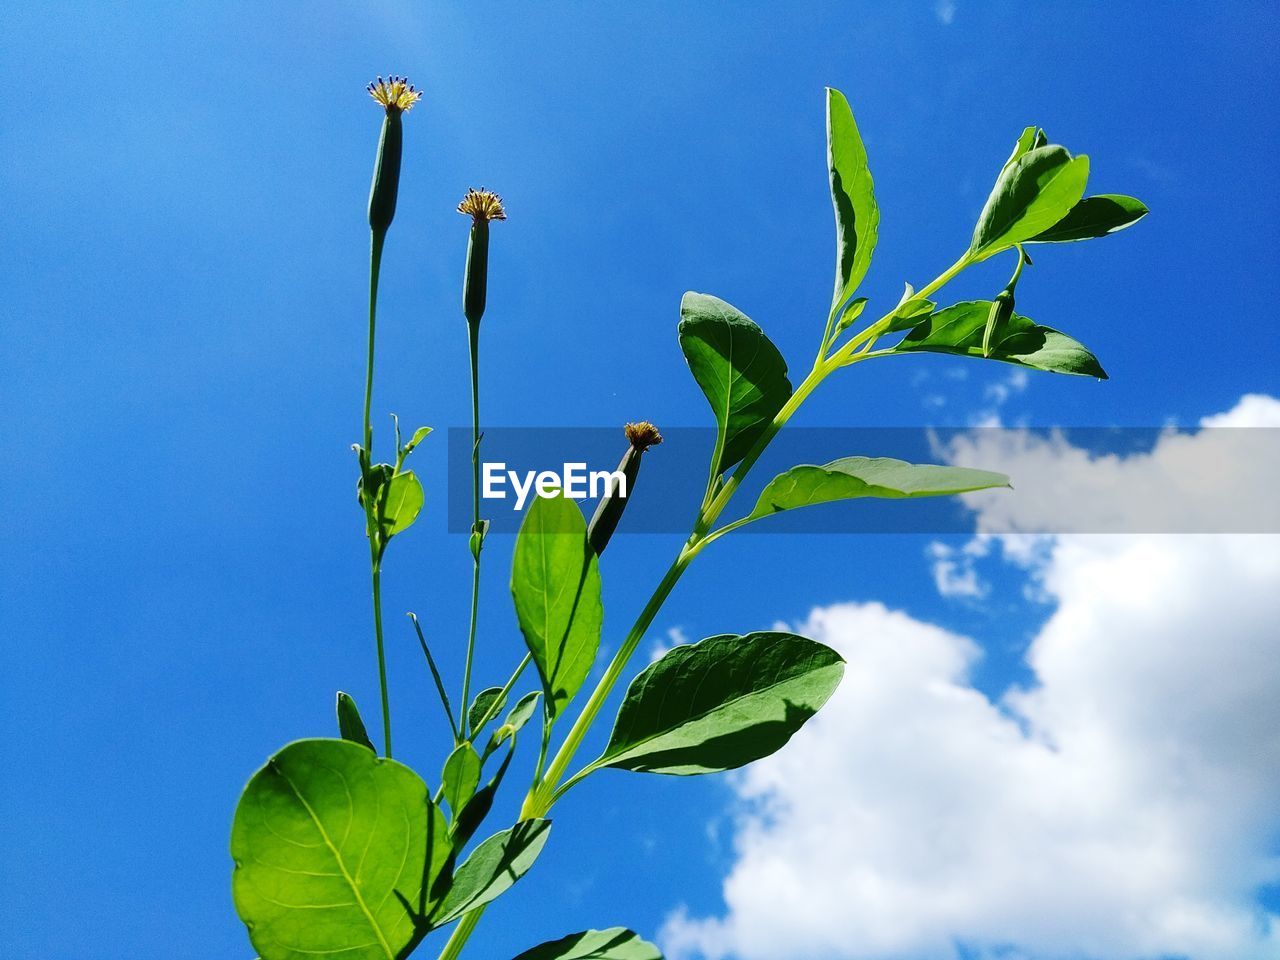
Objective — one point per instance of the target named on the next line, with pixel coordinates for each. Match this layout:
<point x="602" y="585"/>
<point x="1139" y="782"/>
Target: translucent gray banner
<point x="1063" y="480"/>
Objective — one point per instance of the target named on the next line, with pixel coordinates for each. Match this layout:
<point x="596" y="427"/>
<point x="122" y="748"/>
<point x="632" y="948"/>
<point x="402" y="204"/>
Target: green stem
<point x="945" y="277"/>
<point x="377" y="238"/>
<point x="461" y="933"/>
<point x="375" y="267"/>
<point x="504" y="692"/>
<point x="435" y="675"/>
<point x="473" y="330"/>
<point x="382" y="657"/>
<point x="538" y="801"/>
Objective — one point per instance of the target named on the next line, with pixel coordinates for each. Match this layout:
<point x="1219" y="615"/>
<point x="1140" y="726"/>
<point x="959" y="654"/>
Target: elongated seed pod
<point x="475" y="281"/>
<point x="386" y="173"/>
<point x="396" y="95"/>
<point x="481" y="206"/>
<point x="997" y="317"/>
<point x="604" y="522"/>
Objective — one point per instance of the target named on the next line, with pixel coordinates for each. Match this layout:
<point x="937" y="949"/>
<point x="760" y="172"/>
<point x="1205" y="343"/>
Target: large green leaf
<point x="330" y="843"/>
<point x="959" y="329"/>
<point x="1094" y="217"/>
<point x="741" y="373"/>
<point x="1032" y="193"/>
<point x="854" y="199"/>
<point x="492" y="868"/>
<point x="721" y="703"/>
<point x="853" y="477"/>
<point x="616" y="943"/>
<point x="555" y="581"/>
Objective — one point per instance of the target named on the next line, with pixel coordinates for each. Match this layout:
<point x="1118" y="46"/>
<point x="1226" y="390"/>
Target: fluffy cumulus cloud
<point x="1121" y="805"/>
<point x="1220" y="478"/>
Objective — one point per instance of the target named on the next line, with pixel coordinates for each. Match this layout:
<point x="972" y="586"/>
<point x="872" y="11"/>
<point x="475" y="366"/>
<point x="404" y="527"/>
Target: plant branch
<point x="373" y="497"/>
<point x="477" y="540"/>
<point x="435" y="675"/>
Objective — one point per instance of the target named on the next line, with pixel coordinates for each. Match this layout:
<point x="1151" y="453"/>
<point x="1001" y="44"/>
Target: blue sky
<point x="183" y="571"/>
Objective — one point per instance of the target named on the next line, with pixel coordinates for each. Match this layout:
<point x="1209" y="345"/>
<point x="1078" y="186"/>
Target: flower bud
<point x="396" y="96"/>
<point x="482" y="206"/>
<point x="1000" y="313"/>
<point x="641" y="437"/>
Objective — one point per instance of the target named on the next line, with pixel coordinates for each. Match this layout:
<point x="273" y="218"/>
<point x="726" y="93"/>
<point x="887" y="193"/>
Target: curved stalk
<point x="372" y="526"/>
<point x="473" y="330"/>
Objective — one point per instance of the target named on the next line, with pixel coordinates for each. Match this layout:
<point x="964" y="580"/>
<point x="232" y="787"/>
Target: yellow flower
<point x="396" y="93"/>
<point x="482" y="205"/>
<point x="642" y="435"/>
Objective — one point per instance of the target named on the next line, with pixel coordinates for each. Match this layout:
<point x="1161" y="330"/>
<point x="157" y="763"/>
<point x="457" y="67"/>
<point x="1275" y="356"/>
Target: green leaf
<point x="555" y="581"/>
<point x="492" y="868"/>
<point x="721" y="703"/>
<point x="350" y="726"/>
<point x="520" y="715"/>
<point x="516" y="720"/>
<point x="853" y="477"/>
<point x="852" y="195"/>
<point x="327" y="839"/>
<point x="418" y="436"/>
<point x="466" y="823"/>
<point x="461" y="776"/>
<point x="959" y="329"/>
<point x="403" y="503"/>
<point x="852" y="311"/>
<point x="1094" y="217"/>
<point x="1031" y="194"/>
<point x="1029" y="138"/>
<point x="522" y="711"/>
<point x="909" y="313"/>
<point x="741" y="373"/>
<point x="485" y="705"/>
<point x="616" y="943"/>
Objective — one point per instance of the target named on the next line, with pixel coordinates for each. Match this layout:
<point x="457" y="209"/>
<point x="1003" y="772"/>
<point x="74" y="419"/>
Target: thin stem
<point x="435" y="675"/>
<point x="945" y="277"/>
<point x="372" y="525"/>
<point x="473" y="330"/>
<point x="502" y="694"/>
<point x="542" y="753"/>
<point x="828" y="333"/>
<point x="382" y="657"/>
<point x="375" y="267"/>
<point x="461" y="934"/>
<point x="538" y="800"/>
<point x="867" y="337"/>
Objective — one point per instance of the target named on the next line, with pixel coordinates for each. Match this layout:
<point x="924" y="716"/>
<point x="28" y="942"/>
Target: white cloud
<point x="1121" y="806"/>
<point x="1215" y="480"/>
<point x="676" y="637"/>
<point x="955" y="571"/>
<point x="945" y="11"/>
<point x="1000" y="391"/>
